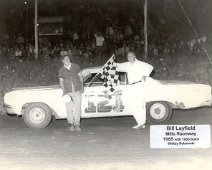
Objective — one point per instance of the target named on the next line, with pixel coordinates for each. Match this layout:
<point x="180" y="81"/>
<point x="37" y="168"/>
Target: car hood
<point x="37" y="88"/>
<point x="175" y="82"/>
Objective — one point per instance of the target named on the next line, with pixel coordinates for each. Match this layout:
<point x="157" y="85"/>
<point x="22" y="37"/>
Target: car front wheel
<point x="37" y="115"/>
<point x="158" y="112"/>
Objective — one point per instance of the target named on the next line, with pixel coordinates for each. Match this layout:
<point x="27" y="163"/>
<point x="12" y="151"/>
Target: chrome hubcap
<point x="158" y="111"/>
<point x="37" y="115"/>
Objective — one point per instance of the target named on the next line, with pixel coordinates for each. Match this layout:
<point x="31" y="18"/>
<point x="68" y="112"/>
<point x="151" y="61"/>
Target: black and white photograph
<point x="105" y="84"/>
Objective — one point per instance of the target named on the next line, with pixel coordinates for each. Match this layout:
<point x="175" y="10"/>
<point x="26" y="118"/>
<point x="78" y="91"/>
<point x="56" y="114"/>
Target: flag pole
<point x="145" y="30"/>
<point x="36" y="29"/>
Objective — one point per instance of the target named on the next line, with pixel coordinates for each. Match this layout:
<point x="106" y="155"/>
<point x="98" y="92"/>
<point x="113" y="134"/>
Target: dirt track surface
<point x="103" y="144"/>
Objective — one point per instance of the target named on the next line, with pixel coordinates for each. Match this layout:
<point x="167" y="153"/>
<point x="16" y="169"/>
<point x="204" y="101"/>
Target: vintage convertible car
<point x="37" y="105"/>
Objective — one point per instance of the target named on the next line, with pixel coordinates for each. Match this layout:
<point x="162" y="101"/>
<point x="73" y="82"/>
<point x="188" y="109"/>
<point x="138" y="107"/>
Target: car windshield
<point x="97" y="81"/>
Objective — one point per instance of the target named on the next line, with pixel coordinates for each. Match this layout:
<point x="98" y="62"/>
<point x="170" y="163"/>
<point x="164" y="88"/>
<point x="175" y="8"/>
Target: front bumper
<point x="208" y="102"/>
<point x="9" y="109"/>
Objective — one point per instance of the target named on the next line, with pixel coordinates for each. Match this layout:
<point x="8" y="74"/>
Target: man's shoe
<point x="139" y="126"/>
<point x="72" y="129"/>
<point x="77" y="128"/>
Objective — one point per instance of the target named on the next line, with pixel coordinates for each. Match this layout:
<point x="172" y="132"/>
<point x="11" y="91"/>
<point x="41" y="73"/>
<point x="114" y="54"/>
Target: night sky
<point x="163" y="15"/>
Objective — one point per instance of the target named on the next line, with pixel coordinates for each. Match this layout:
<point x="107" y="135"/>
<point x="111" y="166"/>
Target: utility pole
<point x="145" y="31"/>
<point x="36" y="29"/>
<point x="27" y="22"/>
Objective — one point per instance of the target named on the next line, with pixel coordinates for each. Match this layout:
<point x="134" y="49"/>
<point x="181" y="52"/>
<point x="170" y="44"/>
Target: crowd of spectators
<point x="18" y="66"/>
<point x="117" y="41"/>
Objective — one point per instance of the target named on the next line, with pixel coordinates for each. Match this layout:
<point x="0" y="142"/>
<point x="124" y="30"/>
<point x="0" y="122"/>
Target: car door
<point x="98" y="101"/>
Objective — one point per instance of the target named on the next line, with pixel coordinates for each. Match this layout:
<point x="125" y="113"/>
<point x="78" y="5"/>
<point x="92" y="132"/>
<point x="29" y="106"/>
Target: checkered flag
<point x="110" y="74"/>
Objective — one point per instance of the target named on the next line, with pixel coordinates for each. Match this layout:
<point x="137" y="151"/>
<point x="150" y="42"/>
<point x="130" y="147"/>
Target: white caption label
<point x="180" y="136"/>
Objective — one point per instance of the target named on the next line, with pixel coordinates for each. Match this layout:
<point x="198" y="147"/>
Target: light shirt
<point x="18" y="53"/>
<point x="135" y="71"/>
<point x="110" y="30"/>
<point x="99" y="41"/>
<point x="75" y="36"/>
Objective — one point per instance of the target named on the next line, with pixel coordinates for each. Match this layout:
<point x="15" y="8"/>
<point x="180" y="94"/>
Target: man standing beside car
<point x="137" y="73"/>
<point x="71" y="82"/>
